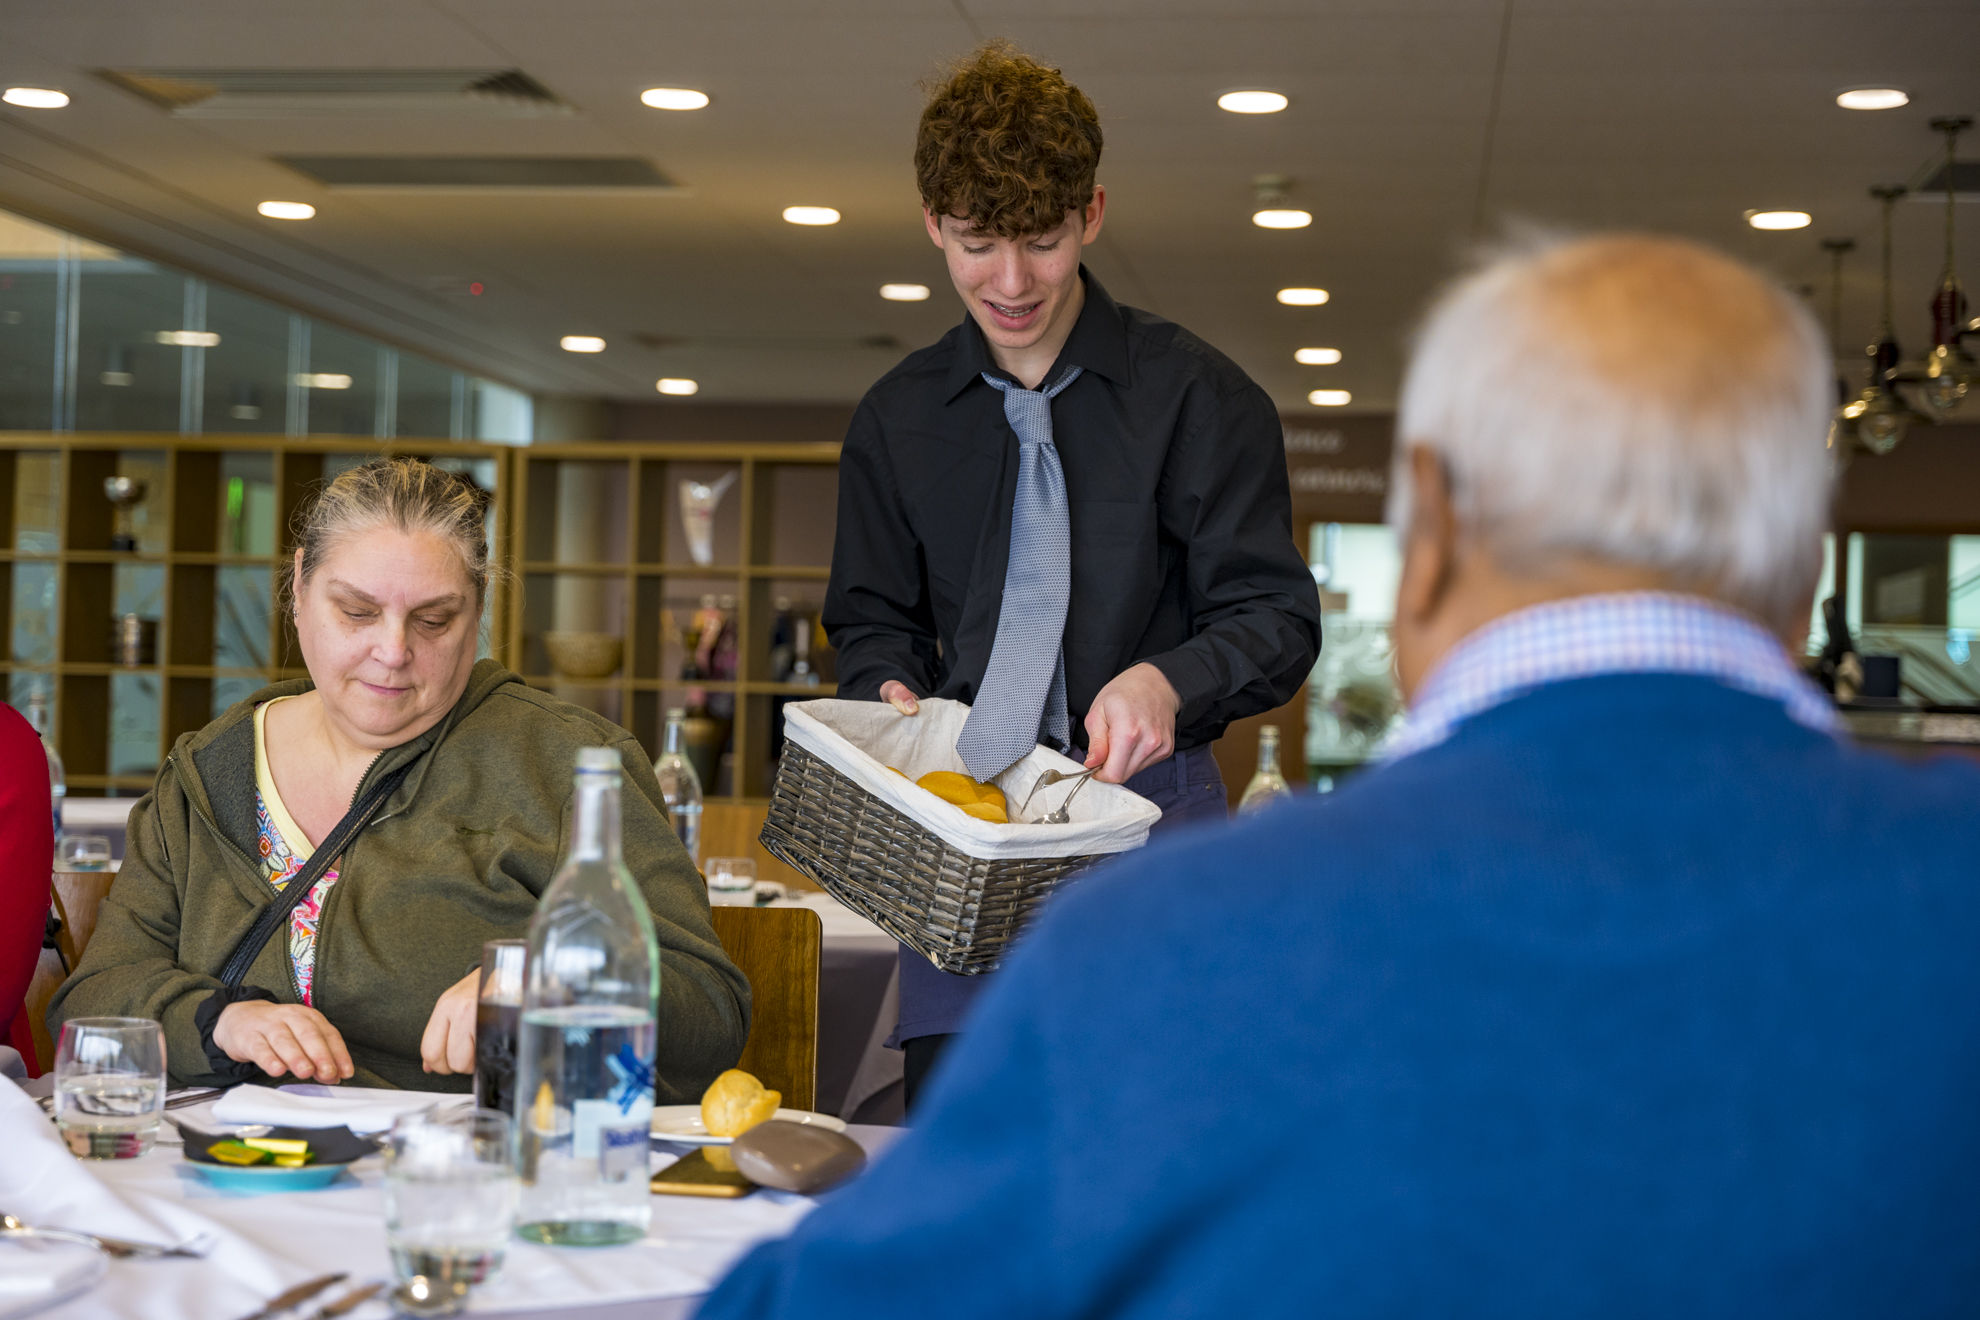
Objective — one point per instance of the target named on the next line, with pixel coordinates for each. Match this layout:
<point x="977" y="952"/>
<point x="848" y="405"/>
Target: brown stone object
<point x="796" y="1157"/>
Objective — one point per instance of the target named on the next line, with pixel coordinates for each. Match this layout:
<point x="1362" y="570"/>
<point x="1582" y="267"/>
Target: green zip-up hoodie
<point x="459" y="854"/>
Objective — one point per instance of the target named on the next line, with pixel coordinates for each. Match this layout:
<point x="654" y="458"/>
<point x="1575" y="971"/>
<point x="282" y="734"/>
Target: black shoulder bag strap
<point x="276" y="913"/>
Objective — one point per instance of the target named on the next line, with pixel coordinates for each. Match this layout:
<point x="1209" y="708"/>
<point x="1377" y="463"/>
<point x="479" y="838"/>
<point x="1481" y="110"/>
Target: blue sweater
<point x="1633" y="999"/>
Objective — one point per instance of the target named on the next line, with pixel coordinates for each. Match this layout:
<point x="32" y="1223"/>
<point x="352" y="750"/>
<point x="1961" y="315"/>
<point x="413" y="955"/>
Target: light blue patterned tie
<point x="1023" y="697"/>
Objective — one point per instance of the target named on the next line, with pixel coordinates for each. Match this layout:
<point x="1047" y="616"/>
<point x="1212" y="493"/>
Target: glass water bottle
<point x="1268" y="785"/>
<point x="584" y="1060"/>
<point x="680" y="785"/>
<point x="58" y="780"/>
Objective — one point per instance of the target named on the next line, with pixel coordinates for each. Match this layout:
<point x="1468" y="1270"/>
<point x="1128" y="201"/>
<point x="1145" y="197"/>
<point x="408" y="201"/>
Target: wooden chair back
<point x="779" y="950"/>
<point x="76" y="895"/>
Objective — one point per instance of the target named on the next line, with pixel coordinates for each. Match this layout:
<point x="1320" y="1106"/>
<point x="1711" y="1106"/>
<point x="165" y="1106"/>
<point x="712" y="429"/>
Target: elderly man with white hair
<point x="1625" y="986"/>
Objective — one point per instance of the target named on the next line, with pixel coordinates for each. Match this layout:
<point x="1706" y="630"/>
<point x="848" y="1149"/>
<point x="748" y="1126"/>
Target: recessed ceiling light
<point x="286" y="210"/>
<point x="675" y="385"/>
<point x="904" y="292"/>
<point x="1329" y="398"/>
<point x="1871" y="98"/>
<point x="1282" y="219"/>
<point x="811" y="215"/>
<point x="674" y="98"/>
<point x="1251" y="103"/>
<point x="1779" y="219"/>
<point x="1302" y="297"/>
<point x="322" y="380"/>
<point x="1317" y="357"/>
<point x="189" y="338"/>
<point x="35" y="98"/>
<point x="581" y="344"/>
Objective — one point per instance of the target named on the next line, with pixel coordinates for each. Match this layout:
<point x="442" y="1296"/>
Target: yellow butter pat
<point x="278" y="1145"/>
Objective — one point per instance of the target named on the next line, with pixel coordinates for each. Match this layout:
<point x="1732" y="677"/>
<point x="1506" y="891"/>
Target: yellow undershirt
<point x="271" y="797"/>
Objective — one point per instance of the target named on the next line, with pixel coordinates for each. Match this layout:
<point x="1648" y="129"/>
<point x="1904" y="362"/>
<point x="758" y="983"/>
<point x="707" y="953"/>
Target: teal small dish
<point x="254" y="1179"/>
<point x="335" y="1150"/>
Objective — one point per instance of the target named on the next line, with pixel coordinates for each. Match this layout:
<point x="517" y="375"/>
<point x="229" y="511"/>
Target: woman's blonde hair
<point x="407" y="495"/>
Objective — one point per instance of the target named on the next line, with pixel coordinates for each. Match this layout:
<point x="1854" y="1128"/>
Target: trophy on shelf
<point x="698" y="502"/>
<point x="699" y="634"/>
<point x="124" y="494"/>
<point x="802" y="671"/>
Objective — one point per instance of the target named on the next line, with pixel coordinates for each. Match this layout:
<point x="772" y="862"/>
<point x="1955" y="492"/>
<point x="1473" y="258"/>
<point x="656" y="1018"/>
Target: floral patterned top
<point x="285" y="850"/>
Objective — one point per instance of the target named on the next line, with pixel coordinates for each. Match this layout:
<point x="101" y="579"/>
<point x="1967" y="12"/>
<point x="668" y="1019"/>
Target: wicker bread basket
<point x="913" y="865"/>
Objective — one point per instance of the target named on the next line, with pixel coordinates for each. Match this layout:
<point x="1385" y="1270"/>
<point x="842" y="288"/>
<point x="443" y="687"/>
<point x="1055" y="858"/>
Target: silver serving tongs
<point x="1046" y="780"/>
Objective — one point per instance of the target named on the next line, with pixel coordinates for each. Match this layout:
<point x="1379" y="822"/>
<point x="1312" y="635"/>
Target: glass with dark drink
<point x="497" y="1016"/>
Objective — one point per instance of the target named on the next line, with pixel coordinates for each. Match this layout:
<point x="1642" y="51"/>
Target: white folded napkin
<point x="313" y="1105"/>
<point x="36" y="1274"/>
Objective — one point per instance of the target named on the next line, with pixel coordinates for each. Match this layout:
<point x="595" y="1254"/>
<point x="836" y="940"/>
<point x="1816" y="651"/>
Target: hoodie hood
<point x="216" y="764"/>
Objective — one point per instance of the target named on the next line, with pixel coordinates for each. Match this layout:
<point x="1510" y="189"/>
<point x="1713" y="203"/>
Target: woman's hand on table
<point x="448" y="1045"/>
<point x="895" y="693"/>
<point x="283" y="1038"/>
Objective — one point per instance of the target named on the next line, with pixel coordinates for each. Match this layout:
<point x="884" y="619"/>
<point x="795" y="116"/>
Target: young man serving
<point x="1070" y="514"/>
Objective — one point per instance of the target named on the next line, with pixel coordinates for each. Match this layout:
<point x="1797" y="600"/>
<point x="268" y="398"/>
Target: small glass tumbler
<point x="732" y="881"/>
<point x="497" y="1016"/>
<point x="82" y="852"/>
<point x="450" y="1203"/>
<point x="110" y="1086"/>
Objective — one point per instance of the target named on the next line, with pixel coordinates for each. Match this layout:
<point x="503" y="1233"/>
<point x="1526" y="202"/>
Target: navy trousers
<point x="1187" y="787"/>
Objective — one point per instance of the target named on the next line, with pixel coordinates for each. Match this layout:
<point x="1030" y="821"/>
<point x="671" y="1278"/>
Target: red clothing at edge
<point x="27" y="853"/>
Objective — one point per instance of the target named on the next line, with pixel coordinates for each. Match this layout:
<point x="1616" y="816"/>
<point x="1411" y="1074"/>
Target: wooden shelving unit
<point x="591" y="531"/>
<point x="598" y="534"/>
<point x="192" y="531"/>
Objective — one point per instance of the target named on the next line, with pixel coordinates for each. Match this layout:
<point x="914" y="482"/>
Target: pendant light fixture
<point x="1841" y="430"/>
<point x="1878" y="418"/>
<point x="1946" y="372"/>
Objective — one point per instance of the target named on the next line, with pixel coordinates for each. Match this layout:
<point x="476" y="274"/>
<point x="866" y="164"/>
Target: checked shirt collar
<point x="1637" y="632"/>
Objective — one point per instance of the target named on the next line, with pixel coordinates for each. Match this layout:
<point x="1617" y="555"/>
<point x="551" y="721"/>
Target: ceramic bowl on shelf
<point x="584" y="654"/>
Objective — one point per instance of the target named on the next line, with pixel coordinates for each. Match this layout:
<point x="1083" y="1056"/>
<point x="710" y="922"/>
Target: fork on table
<point x="117" y="1248"/>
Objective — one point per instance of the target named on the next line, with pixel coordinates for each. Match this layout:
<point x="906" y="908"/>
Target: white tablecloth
<point x="839" y="921"/>
<point x="269" y="1243"/>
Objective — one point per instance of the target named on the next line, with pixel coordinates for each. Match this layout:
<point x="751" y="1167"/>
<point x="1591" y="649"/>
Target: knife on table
<point x="296" y="1296"/>
<point x="349" y="1302"/>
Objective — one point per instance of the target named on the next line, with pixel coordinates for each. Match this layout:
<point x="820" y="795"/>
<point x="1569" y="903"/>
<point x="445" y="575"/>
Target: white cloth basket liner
<point x="861" y="739"/>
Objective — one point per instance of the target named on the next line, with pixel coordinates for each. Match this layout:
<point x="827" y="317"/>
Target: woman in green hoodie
<point x="373" y="977"/>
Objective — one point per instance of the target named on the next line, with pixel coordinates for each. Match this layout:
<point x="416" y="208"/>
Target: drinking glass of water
<point x="110" y="1086"/>
<point x="496" y="1017"/>
<point x="83" y="852"/>
<point x="450" y="1203"/>
<point x="732" y="881"/>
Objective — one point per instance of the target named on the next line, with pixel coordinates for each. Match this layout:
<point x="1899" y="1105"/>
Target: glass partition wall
<point x="93" y="339"/>
<point x="1918" y="597"/>
<point x="1351" y="696"/>
<point x="139" y="621"/>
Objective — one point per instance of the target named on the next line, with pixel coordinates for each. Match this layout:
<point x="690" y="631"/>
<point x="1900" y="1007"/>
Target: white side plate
<point x="682" y="1123"/>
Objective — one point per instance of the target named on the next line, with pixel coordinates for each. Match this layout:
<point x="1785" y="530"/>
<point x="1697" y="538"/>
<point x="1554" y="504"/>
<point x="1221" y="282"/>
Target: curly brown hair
<point x="1007" y="143"/>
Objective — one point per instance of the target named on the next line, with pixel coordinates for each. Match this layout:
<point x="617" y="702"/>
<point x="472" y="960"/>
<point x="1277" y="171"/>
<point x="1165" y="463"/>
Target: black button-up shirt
<point x="1181" y="520"/>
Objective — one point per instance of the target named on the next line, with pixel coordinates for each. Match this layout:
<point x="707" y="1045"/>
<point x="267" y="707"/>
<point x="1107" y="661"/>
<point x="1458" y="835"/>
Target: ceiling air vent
<point x="483" y="174"/>
<point x="311" y="93"/>
<point x="1965" y="181"/>
<point x="770" y="343"/>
